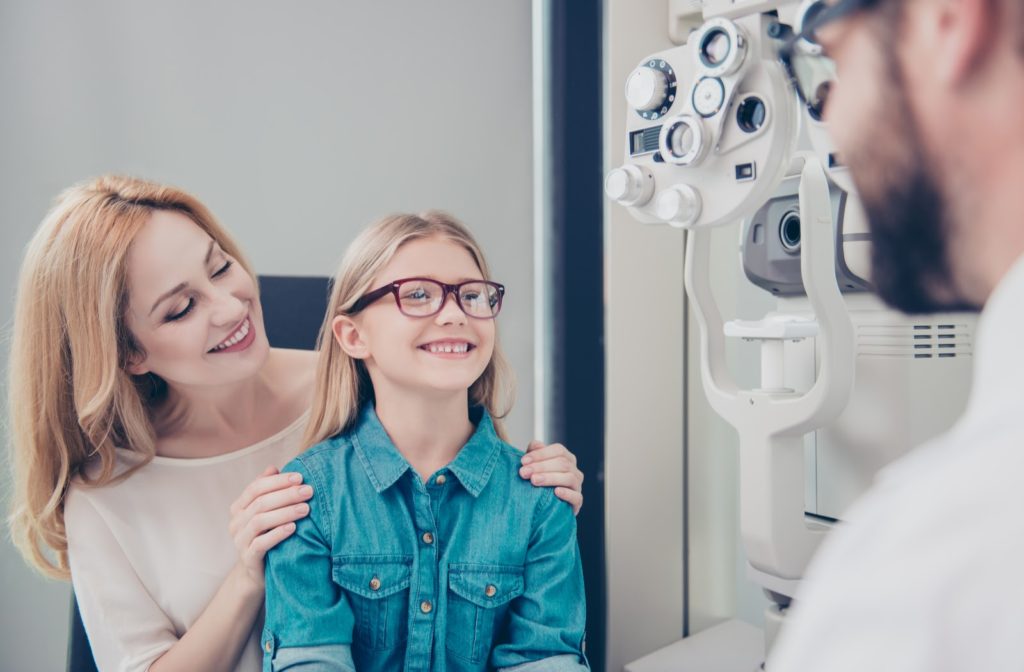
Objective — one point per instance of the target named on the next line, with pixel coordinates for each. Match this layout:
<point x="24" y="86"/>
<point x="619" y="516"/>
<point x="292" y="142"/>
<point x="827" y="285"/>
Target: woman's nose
<point x="228" y="310"/>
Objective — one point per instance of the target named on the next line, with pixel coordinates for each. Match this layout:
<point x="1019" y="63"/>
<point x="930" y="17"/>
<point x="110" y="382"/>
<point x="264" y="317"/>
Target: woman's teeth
<point x="235" y="337"/>
<point x="447" y="347"/>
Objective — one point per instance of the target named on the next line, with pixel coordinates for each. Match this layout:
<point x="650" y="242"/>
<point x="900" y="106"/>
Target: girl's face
<point x="193" y="310"/>
<point x="407" y="353"/>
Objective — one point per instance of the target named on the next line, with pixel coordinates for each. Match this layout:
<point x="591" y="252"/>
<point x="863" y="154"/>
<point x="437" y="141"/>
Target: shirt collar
<point x="384" y="465"/>
<point x="998" y="358"/>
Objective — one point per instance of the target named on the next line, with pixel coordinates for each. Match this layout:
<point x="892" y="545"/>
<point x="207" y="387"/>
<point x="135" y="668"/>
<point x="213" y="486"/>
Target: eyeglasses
<point x="810" y="71"/>
<point x="424" y="297"/>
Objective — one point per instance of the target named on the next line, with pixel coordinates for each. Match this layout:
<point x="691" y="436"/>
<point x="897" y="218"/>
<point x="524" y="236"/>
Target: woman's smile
<point x="239" y="340"/>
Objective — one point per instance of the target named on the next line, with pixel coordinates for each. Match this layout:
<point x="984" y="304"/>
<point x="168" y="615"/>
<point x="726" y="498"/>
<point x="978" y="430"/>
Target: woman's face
<point x="424" y="354"/>
<point x="193" y="309"/>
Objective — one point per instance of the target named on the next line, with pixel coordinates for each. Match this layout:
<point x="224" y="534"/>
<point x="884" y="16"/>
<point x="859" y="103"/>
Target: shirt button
<point x="428" y="538"/>
<point x="441" y="479"/>
<point x="375" y="583"/>
<point x="268" y="646"/>
<point x="490" y="591"/>
<point x="426" y="607"/>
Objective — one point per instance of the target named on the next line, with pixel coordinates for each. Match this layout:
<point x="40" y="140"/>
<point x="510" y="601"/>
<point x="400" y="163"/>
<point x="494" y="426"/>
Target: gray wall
<point x="296" y="122"/>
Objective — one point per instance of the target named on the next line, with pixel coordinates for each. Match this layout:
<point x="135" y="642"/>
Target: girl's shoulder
<point x="323" y="460"/>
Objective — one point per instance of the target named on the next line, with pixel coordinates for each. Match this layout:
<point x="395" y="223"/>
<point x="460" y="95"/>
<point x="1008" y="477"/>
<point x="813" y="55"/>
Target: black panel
<point x="575" y="280"/>
<point x="293" y="309"/>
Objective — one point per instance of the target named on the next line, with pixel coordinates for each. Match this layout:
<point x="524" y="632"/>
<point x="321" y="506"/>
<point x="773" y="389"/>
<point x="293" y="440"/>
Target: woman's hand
<point x="264" y="515"/>
<point x="554" y="466"/>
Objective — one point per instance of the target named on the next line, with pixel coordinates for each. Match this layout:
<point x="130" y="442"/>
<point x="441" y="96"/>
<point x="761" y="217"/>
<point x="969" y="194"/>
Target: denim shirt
<point x="475" y="570"/>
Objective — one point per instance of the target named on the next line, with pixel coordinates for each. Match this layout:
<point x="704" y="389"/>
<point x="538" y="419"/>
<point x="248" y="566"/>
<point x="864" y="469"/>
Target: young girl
<point x="145" y="398"/>
<point x="421" y="551"/>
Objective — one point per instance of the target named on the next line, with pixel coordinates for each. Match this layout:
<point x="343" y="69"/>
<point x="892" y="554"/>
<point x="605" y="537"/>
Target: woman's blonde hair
<point x="71" y="398"/>
<point x="342" y="383"/>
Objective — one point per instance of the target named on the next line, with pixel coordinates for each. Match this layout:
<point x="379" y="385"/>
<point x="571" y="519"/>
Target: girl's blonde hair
<point x="342" y="383"/>
<point x="71" y="397"/>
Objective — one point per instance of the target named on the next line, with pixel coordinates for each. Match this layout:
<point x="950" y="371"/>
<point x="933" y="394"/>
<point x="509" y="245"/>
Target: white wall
<point x="657" y="414"/>
<point x="644" y="378"/>
<point x="296" y="122"/>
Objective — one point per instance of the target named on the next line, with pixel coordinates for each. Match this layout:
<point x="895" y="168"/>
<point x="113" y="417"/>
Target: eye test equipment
<point x="716" y="135"/>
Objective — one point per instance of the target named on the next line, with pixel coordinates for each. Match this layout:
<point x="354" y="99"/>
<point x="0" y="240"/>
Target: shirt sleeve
<point x="309" y="622"/>
<point x="127" y="629"/>
<point x="547" y="622"/>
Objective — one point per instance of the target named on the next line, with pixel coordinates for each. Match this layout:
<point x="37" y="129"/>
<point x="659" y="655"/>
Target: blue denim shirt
<point x="475" y="570"/>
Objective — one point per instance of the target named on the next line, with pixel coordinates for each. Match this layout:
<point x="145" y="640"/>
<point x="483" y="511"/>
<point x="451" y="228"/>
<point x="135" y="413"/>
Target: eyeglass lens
<point x="814" y="75"/>
<point x="419" y="298"/>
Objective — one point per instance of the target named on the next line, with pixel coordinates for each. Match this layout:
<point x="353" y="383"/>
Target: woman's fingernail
<point x="525" y="472"/>
<point x="295" y="478"/>
<point x="527" y="459"/>
<point x="539" y="479"/>
<point x="306" y="490"/>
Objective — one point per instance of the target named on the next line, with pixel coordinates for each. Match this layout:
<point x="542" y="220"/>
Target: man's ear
<point x="967" y="32"/>
<point x="347" y="334"/>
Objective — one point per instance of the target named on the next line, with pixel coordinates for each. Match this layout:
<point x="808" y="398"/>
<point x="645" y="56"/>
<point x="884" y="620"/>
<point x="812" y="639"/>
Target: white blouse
<point x="148" y="554"/>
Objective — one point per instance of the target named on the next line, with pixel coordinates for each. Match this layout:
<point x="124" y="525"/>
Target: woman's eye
<point x="183" y="312"/>
<point x="223" y="269"/>
<point x="471" y="296"/>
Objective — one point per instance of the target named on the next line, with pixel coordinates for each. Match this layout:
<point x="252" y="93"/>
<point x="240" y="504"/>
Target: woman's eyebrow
<point x="181" y="286"/>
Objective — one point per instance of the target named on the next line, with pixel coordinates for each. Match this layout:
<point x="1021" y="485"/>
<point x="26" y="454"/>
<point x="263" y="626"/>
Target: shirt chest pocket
<point x="478" y="602"/>
<point x="377" y="588"/>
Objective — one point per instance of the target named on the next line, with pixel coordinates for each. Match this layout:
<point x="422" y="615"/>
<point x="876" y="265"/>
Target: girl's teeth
<point x="449" y="348"/>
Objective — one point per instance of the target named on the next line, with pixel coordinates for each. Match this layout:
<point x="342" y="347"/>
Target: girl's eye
<point x="182" y="313"/>
<point x="418" y="294"/>
<point x="223" y="269"/>
<point x="470" y="296"/>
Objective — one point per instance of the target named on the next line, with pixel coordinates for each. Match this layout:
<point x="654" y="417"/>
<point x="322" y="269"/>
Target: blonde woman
<point x="148" y="415"/>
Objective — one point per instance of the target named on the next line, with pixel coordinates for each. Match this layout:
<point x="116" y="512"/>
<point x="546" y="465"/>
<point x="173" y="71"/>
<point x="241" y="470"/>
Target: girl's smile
<point x="448" y="349"/>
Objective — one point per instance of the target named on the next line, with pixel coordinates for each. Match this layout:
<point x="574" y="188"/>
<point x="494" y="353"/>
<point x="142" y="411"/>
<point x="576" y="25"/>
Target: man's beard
<point x="908" y="213"/>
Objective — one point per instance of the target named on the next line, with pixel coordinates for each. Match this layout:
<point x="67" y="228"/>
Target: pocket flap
<point x="373" y="576"/>
<point x="485" y="585"/>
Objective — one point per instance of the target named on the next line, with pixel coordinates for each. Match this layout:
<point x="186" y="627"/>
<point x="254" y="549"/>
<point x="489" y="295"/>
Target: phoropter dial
<point x="629" y="185"/>
<point x="651" y="89"/>
<point x="721" y="47"/>
<point x="683" y="140"/>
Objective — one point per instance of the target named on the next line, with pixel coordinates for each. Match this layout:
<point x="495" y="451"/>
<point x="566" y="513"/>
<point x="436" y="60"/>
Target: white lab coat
<point x="927" y="574"/>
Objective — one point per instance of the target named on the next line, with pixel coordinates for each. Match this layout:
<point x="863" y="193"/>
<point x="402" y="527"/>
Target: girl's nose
<point x="450" y="312"/>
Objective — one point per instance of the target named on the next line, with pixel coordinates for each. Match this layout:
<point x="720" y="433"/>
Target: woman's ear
<point x="137" y="364"/>
<point x="347" y="334"/>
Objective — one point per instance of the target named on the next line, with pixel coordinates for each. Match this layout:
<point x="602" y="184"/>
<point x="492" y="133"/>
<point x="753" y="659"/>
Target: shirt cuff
<point x="564" y="663"/>
<point x="326" y="658"/>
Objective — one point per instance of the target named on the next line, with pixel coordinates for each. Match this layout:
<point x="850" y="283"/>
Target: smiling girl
<point x="422" y="551"/>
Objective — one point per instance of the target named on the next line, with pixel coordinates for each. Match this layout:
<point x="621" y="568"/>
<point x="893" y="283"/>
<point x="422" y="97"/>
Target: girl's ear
<point x="346" y="333"/>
